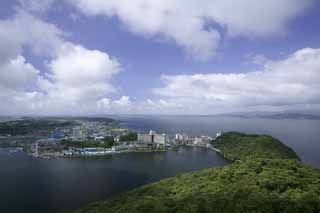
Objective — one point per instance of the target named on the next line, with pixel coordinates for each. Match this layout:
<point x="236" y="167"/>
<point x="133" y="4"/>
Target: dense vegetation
<point x="268" y="177"/>
<point x="108" y="142"/>
<point x="28" y="125"/>
<point x="131" y="136"/>
<point x="239" y="146"/>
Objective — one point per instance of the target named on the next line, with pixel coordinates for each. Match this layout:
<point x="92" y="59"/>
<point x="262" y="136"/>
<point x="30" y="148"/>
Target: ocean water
<point x="38" y="185"/>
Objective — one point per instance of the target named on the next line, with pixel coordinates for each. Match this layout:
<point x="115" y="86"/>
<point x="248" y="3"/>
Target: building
<point x="151" y="132"/>
<point x="206" y="139"/>
<point x="219" y="134"/>
<point x="197" y="141"/>
<point x="178" y="137"/>
<point x="153" y="137"/>
<point x="161" y="139"/>
<point x="202" y="141"/>
<point x="147" y="138"/>
<point x="117" y="138"/>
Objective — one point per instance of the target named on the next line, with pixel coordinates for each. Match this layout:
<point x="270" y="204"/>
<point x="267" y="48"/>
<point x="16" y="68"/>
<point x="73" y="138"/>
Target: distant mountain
<point x="275" y="115"/>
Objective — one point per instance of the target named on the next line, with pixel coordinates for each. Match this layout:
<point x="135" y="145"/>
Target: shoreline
<point x="61" y="155"/>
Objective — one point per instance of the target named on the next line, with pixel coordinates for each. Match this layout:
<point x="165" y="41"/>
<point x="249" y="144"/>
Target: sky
<point x="84" y="57"/>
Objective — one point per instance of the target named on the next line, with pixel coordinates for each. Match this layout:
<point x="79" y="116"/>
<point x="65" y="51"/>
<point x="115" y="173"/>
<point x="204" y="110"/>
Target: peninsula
<point x="264" y="176"/>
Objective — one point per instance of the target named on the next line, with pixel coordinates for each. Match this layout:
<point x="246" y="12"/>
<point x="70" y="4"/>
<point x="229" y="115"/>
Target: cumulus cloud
<point x="77" y="78"/>
<point x="27" y="31"/>
<point x="17" y="74"/>
<point x="122" y="104"/>
<point x="196" y="25"/>
<point x="80" y="74"/>
<point x="74" y="80"/>
<point x="291" y="82"/>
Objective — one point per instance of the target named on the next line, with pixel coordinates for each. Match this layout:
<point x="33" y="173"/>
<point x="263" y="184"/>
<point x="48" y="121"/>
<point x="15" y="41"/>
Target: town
<point x="115" y="141"/>
<point x="90" y="137"/>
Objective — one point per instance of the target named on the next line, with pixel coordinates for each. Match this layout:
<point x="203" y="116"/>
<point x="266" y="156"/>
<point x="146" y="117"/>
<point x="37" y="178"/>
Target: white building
<point x="153" y="137"/>
<point x="178" y="137"/>
<point x="219" y="134"/>
<point x="161" y="139"/>
<point x="197" y="141"/>
<point x="206" y="139"/>
<point x="203" y="140"/>
<point x="151" y="132"/>
<point x="147" y="138"/>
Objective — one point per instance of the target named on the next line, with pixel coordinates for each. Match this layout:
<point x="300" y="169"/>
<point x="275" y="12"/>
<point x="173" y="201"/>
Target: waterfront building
<point x="161" y="139"/>
<point x="151" y="132"/>
<point x="147" y="138"/>
<point x="202" y="141"/>
<point x="197" y="141"/>
<point x="153" y="137"/>
<point x="219" y="134"/>
<point x="178" y="137"/>
<point x="206" y="139"/>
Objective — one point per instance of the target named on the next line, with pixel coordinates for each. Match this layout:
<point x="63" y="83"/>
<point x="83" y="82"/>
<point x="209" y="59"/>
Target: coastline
<point x="62" y="155"/>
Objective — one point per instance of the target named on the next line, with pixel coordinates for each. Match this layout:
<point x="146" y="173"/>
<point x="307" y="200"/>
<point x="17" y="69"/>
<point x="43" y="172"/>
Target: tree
<point x="108" y="141"/>
<point x="131" y="136"/>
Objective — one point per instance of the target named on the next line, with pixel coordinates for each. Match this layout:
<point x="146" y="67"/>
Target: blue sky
<point x="171" y="57"/>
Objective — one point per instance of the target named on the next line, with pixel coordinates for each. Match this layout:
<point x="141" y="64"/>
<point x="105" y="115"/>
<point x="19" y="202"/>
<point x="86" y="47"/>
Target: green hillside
<point x="277" y="183"/>
<point x="239" y="146"/>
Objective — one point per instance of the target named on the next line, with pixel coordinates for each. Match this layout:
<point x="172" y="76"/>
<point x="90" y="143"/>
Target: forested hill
<point x="268" y="177"/>
<point x="239" y="146"/>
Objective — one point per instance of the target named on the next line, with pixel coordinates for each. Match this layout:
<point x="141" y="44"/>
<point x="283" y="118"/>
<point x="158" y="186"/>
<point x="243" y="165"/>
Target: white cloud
<point x="24" y="30"/>
<point x="17" y="74"/>
<point x="124" y="101"/>
<point x="79" y="75"/>
<point x="121" y="105"/>
<point x="18" y="77"/>
<point x="74" y="80"/>
<point x="291" y="82"/>
<point x="188" y="22"/>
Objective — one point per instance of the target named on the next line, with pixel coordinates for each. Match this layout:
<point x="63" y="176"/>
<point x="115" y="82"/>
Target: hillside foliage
<point x="266" y="176"/>
<point x="239" y="146"/>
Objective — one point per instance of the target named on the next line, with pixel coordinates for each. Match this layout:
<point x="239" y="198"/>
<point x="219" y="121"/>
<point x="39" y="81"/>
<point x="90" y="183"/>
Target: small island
<point x="264" y="176"/>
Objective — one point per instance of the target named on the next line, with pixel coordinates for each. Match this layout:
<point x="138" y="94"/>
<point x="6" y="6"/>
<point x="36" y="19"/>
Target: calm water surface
<point x="51" y="185"/>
